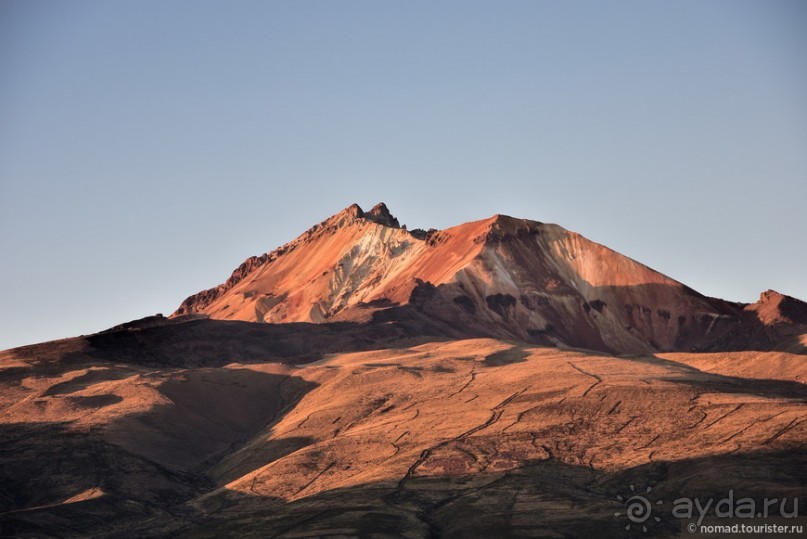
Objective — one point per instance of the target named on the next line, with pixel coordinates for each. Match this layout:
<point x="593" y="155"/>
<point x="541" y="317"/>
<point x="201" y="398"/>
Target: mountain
<point x="499" y="277"/>
<point x="501" y="378"/>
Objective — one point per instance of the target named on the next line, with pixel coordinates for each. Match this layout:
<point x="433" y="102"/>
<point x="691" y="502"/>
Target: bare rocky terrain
<point x="503" y="378"/>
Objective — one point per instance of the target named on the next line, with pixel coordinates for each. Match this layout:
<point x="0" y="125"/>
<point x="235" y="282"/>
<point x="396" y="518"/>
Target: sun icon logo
<point x="638" y="508"/>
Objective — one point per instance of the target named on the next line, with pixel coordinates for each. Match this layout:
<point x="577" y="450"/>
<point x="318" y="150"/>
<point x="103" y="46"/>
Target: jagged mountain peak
<point x="379" y="214"/>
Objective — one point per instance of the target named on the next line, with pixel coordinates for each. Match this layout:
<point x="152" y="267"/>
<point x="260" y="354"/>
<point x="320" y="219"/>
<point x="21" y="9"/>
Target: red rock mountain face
<point x="500" y="277"/>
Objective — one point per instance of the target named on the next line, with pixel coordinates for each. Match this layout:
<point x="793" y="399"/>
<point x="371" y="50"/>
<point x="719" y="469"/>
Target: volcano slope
<point x="499" y="277"/>
<point x="388" y="408"/>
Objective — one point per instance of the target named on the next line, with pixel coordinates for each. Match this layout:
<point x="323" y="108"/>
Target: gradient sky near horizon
<point x="147" y="148"/>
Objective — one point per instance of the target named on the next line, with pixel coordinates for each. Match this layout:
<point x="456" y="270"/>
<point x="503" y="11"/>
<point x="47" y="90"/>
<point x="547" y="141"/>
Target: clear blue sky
<point x="147" y="148"/>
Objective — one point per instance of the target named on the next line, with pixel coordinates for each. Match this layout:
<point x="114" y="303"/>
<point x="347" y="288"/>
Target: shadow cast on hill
<point x="43" y="466"/>
<point x="219" y="342"/>
<point x="541" y="498"/>
<point x="678" y="318"/>
<point x="720" y="383"/>
<point x="613" y="319"/>
<point x="57" y="481"/>
<point x="649" y="316"/>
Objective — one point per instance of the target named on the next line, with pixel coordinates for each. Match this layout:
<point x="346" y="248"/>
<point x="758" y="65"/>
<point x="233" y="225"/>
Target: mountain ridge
<point x="500" y="277"/>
